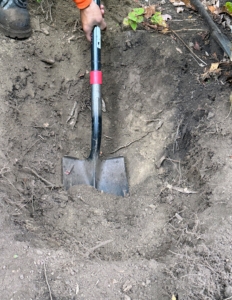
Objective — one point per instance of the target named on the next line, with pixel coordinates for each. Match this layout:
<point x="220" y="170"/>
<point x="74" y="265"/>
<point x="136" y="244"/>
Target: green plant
<point x="158" y="19"/>
<point x="147" y="16"/>
<point x="228" y="6"/>
<point x="134" y="18"/>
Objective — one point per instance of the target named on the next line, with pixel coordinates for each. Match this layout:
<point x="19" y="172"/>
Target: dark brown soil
<point x="172" y="234"/>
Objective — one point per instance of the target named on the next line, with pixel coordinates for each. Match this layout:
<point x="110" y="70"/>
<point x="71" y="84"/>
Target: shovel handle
<point x="201" y="9"/>
<point x="216" y="33"/>
<point x="96" y="82"/>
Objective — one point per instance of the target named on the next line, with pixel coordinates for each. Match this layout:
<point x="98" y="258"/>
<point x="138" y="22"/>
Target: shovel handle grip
<point x="96" y="81"/>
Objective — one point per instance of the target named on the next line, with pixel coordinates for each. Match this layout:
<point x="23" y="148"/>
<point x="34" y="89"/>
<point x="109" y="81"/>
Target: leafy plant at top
<point x="146" y="15"/>
<point x="228" y="6"/>
<point x="158" y="19"/>
<point x="134" y="18"/>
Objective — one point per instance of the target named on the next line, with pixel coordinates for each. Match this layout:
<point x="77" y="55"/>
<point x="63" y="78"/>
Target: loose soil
<point x="172" y="235"/>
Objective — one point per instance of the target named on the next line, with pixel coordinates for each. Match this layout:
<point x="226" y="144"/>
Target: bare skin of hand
<point x="92" y="16"/>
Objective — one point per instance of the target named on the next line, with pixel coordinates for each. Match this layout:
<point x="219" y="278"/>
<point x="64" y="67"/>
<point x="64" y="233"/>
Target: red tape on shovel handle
<point x="96" y="77"/>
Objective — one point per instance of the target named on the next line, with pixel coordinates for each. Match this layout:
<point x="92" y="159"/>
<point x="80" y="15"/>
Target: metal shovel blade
<point x="107" y="175"/>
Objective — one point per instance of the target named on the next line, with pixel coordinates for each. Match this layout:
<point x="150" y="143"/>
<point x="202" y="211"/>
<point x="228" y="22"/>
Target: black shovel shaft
<point x="96" y="101"/>
<point x="216" y="33"/>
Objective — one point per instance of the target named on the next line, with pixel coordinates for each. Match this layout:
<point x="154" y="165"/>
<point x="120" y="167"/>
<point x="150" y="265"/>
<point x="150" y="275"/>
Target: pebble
<point x="228" y="291"/>
<point x="39" y="252"/>
<point x="210" y="115"/>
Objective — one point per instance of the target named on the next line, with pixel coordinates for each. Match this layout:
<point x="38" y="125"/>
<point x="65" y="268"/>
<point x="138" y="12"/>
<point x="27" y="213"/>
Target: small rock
<point x="72" y="272"/>
<point x="39" y="252"/>
<point x="210" y="115"/>
<point x="63" y="204"/>
<point x="228" y="291"/>
<point x="228" y="268"/>
<point x="127" y="286"/>
<point x="21" y="276"/>
<point x="45" y="31"/>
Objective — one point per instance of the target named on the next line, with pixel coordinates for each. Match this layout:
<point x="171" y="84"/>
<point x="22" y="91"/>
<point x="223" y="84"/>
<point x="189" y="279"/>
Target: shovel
<point x="107" y="175"/>
<point x="216" y="33"/>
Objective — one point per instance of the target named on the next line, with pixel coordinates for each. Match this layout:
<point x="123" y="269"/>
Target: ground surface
<point x="171" y="126"/>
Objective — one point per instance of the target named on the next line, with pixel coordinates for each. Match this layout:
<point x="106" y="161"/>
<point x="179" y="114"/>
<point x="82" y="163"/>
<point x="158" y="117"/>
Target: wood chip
<point x="160" y="162"/>
<point x="181" y="190"/>
<point x="127" y="286"/>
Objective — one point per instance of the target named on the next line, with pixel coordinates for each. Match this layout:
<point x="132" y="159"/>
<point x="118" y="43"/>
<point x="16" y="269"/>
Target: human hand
<point x="91" y="16"/>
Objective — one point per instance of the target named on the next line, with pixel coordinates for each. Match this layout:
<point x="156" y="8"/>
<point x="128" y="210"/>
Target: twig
<point x="72" y="118"/>
<point x="122" y="147"/>
<point x="74" y="38"/>
<point x="173" y="160"/>
<point x="49" y="289"/>
<point x="188" y="29"/>
<point x="183" y="20"/>
<point x="30" y="148"/>
<point x="228" y="113"/>
<point x="50" y="10"/>
<point x="40" y="177"/>
<point x="175" y="144"/>
<point x="75" y="25"/>
<point x="98" y="246"/>
<point x="72" y="112"/>
<point x="204" y="63"/>
<point x="13" y="187"/>
<point x="181" y="190"/>
<point x="108" y="137"/>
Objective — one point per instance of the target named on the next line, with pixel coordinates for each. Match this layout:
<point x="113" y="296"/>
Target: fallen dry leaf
<point x="214" y="70"/>
<point x="165" y="31"/>
<point x="166" y="17"/>
<point x="213" y="67"/>
<point x="179" y="10"/>
<point x="188" y="4"/>
<point x="178" y="3"/>
<point x="178" y="49"/>
<point x="183" y="3"/>
<point x="149" y="11"/>
<point x="214" y="10"/>
<point x="196" y="46"/>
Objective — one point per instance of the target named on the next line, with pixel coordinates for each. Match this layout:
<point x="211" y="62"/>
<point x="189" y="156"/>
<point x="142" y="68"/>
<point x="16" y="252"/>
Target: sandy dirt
<point x="172" y="235"/>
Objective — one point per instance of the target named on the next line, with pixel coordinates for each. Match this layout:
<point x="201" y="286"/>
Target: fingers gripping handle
<point x="96" y="74"/>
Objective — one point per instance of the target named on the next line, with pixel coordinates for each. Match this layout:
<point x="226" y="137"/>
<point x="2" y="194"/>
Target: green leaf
<point x="157" y="19"/>
<point x="140" y="19"/>
<point x="126" y="22"/>
<point x="132" y="16"/>
<point x="228" y="5"/>
<point x="133" y="24"/>
<point x="139" y="11"/>
<point x="137" y="19"/>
